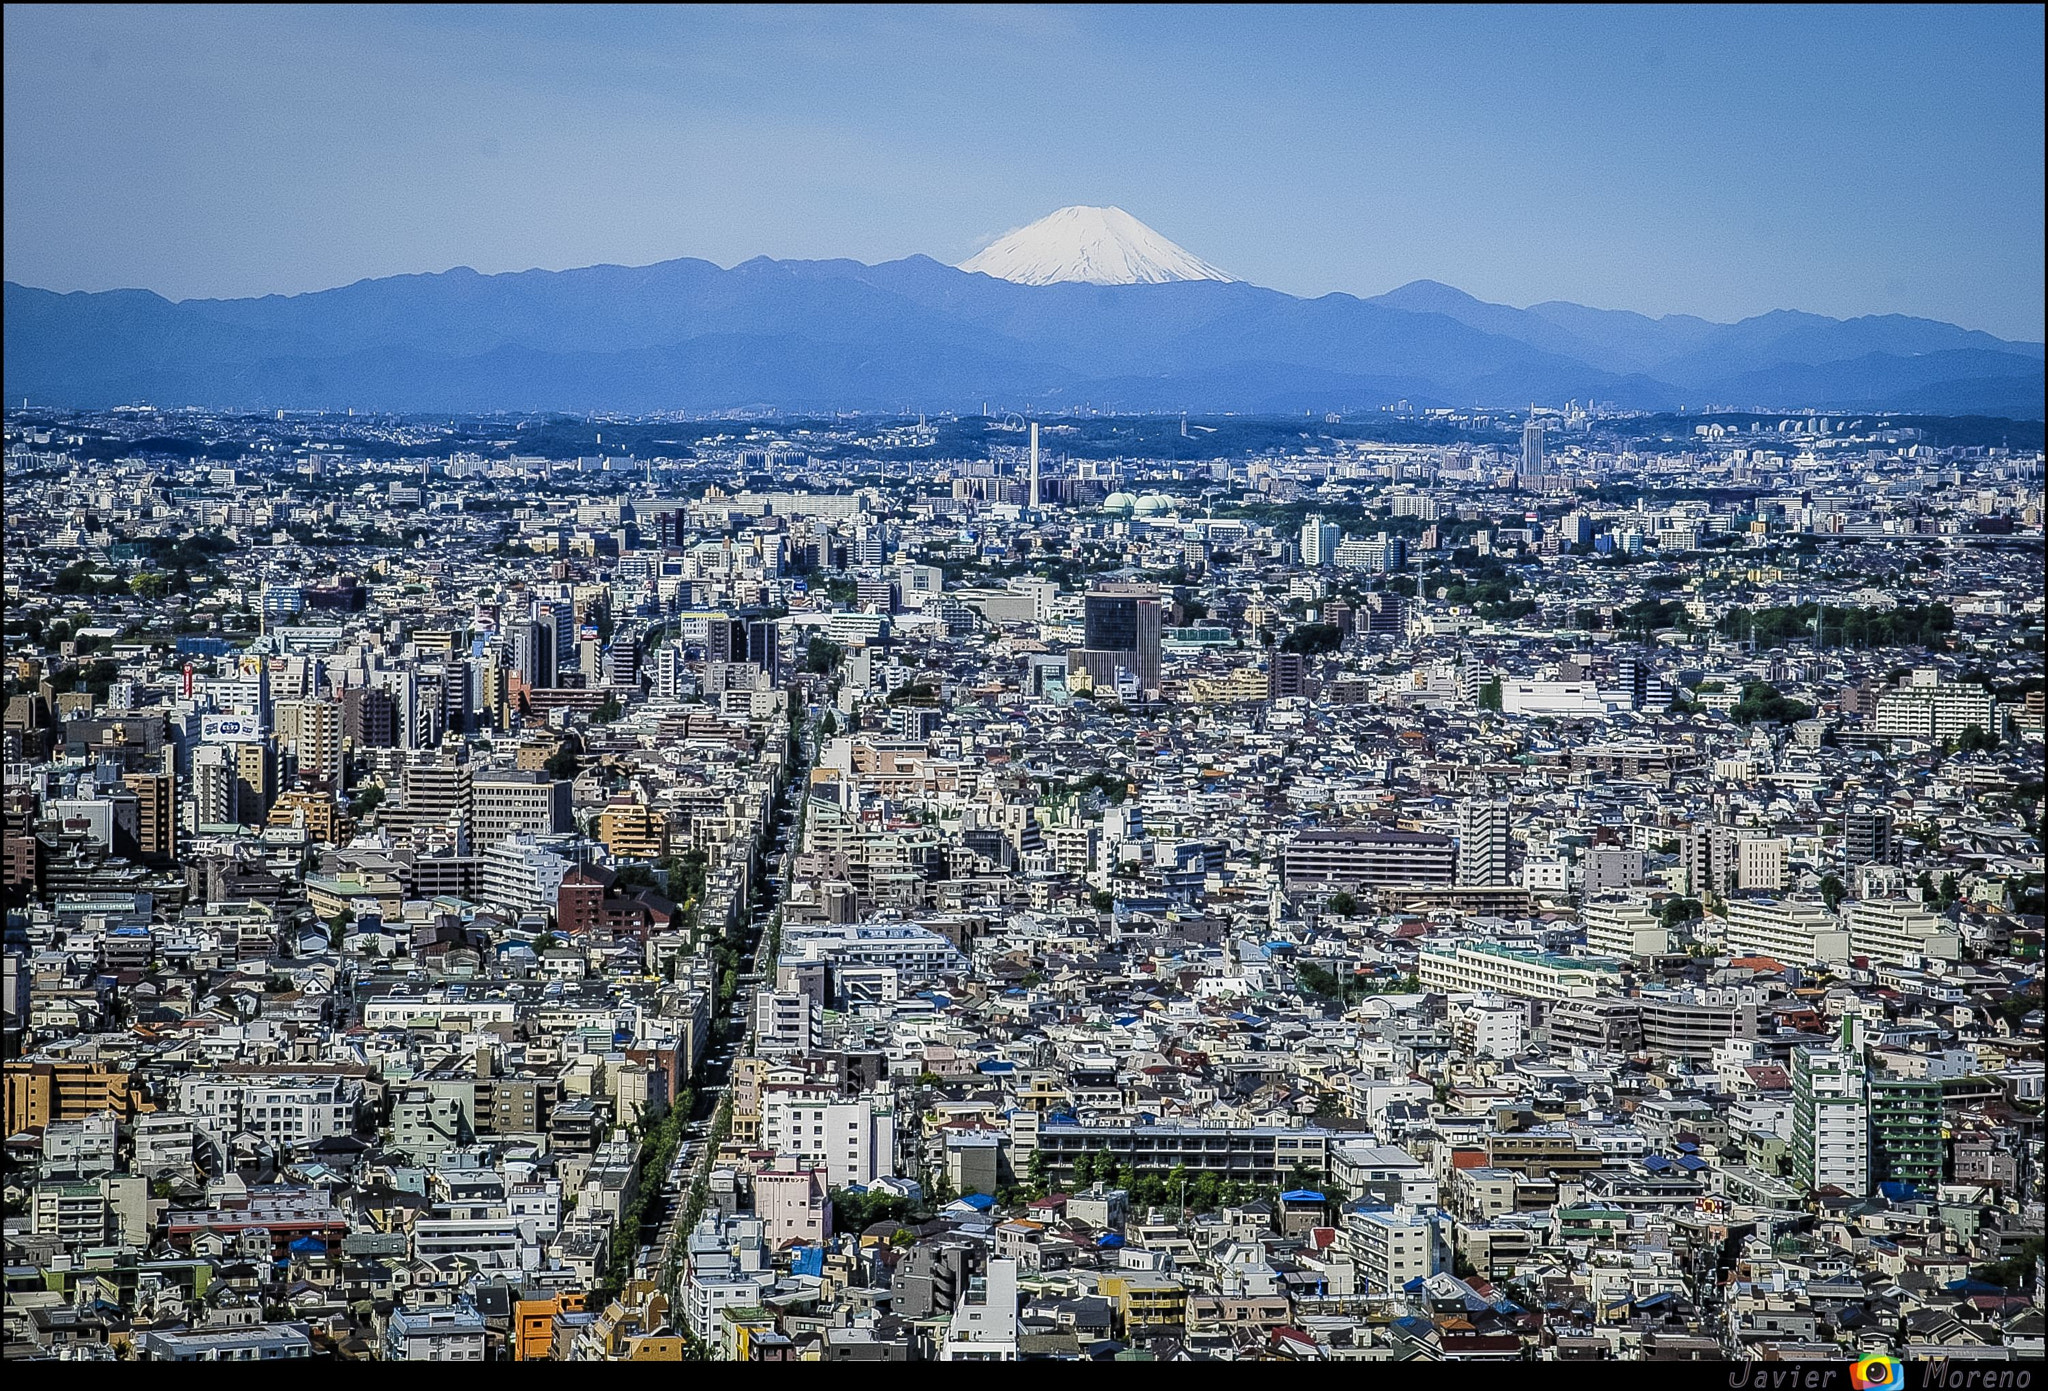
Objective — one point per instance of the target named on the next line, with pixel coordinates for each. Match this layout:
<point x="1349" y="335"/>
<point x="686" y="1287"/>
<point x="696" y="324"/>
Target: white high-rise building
<point x="984" y="1326"/>
<point x="1624" y="927"/>
<point x="852" y="1138"/>
<point x="1923" y="706"/>
<point x="1319" y="541"/>
<point x="310" y="731"/>
<point x="1484" y="829"/>
<point x="1830" y="1121"/>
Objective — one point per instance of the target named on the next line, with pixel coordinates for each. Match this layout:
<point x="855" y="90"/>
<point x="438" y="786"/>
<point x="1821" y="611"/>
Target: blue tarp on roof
<point x="308" y="1244"/>
<point x="1413" y="1285"/>
<point x="1302" y="1195"/>
<point x="980" y="1202"/>
<point x="1109" y="1241"/>
<point x="995" y="1065"/>
<point x="807" y="1260"/>
<point x="1895" y="1191"/>
<point x="1973" y="1287"/>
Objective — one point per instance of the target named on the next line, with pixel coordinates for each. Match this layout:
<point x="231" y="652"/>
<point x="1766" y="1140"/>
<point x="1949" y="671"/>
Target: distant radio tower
<point x="1034" y="465"/>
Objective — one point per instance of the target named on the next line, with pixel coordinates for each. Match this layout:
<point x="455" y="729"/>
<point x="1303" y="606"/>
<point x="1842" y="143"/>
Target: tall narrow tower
<point x="1034" y="465"/>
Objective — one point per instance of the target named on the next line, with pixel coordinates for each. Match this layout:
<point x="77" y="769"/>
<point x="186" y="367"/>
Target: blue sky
<point x="1716" y="161"/>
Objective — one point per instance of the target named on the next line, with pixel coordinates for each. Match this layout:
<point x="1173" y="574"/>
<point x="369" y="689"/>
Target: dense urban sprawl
<point x="1428" y="886"/>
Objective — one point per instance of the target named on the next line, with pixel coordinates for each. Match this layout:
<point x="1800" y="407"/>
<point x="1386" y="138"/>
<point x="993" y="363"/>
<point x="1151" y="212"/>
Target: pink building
<point x="792" y="1206"/>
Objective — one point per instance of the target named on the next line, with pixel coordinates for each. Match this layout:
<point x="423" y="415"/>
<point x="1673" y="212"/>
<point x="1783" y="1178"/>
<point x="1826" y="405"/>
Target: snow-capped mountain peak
<point x="1094" y="246"/>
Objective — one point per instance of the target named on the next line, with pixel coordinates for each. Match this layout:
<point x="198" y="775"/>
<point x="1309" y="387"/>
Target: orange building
<point x="41" y="1092"/>
<point x="533" y="1324"/>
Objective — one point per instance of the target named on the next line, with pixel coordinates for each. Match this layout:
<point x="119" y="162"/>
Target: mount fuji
<point x="1086" y="305"/>
<point x="1090" y="246"/>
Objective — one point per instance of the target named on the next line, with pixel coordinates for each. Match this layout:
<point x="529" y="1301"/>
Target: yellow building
<point x="330" y="893"/>
<point x="1145" y="1301"/>
<point x="325" y="822"/>
<point x="633" y="830"/>
<point x="41" y="1092"/>
<point x="738" y="1328"/>
<point x="1240" y="686"/>
<point x="534" y="754"/>
<point x="1044" y="1094"/>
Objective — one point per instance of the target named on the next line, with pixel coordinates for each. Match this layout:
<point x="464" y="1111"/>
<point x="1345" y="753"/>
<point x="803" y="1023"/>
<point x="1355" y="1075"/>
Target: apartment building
<point x="1801" y="934"/>
<point x="1488" y="967"/>
<point x="1352" y="859"/>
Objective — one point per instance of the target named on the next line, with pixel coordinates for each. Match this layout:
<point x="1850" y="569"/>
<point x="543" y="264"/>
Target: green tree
<point x="1343" y="904"/>
<point x="1680" y="910"/>
<point x="1314" y="638"/>
<point x="1762" y="702"/>
<point x="823" y="656"/>
<point x="1489" y="695"/>
<point x="1832" y="892"/>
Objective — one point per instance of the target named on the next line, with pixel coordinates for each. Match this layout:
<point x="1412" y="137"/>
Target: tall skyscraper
<point x="310" y="734"/>
<point x="156" y="821"/>
<point x="369" y="717"/>
<point x="1034" y="463"/>
<point x="1121" y="630"/>
<point x="1867" y="838"/>
<point x="1319" y="541"/>
<point x="1287" y="676"/>
<point x="1830" y="1121"/>
<point x="1533" y="466"/>
<point x="1484" y="830"/>
<point x="1905" y="1130"/>
<point x="533" y="653"/>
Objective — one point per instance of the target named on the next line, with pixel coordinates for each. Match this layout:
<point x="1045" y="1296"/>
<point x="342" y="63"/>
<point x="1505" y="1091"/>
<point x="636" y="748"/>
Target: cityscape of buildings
<point x="1434" y="886"/>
